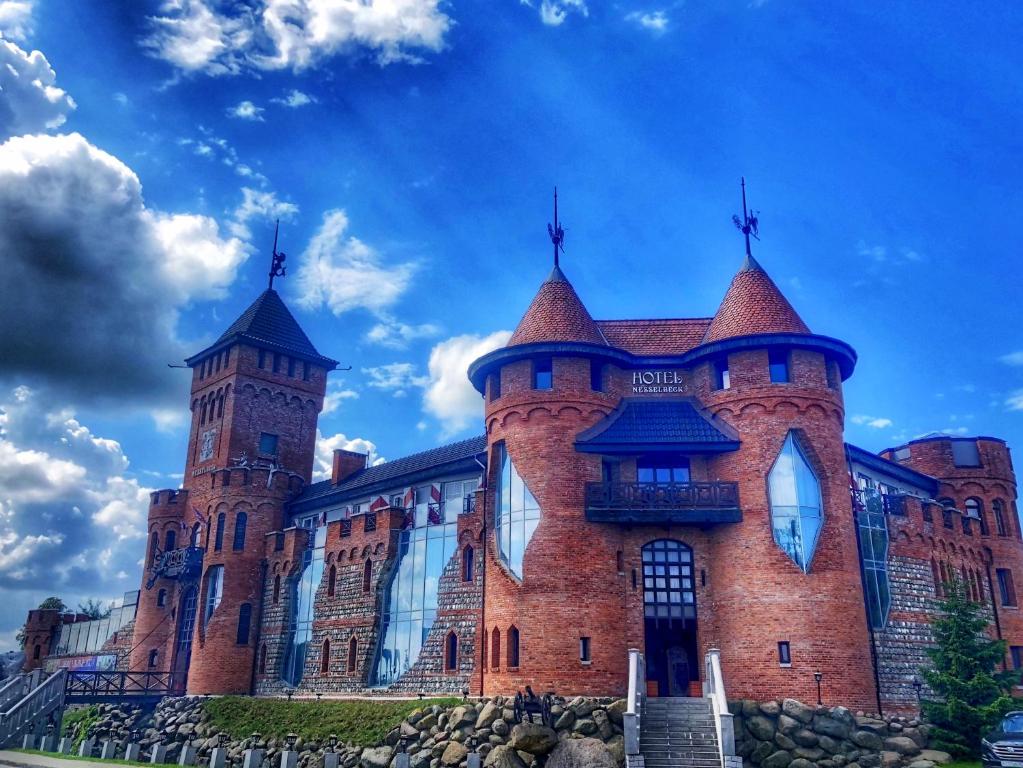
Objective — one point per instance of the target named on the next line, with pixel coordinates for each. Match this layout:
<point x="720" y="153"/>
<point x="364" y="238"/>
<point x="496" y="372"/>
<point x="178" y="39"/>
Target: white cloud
<point x="325" y="447"/>
<point x="336" y="394"/>
<point x="396" y="378"/>
<point x="100" y="276"/>
<point x="1015" y="401"/>
<point x="554" y="12"/>
<point x="654" y="21"/>
<point x="874" y="422"/>
<point x="343" y="273"/>
<point x="246" y="110"/>
<point x="203" y="36"/>
<point x="30" y="101"/>
<point x="256" y="203"/>
<point x="16" y="19"/>
<point x="449" y="396"/>
<point x="1013" y="358"/>
<point x="396" y="335"/>
<point x="294" y="99"/>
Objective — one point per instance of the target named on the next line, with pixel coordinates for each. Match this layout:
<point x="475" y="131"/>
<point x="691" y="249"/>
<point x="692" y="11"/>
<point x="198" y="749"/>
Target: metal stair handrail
<point x="12" y="690"/>
<point x="633" y="714"/>
<point x="714" y="689"/>
<point x="35" y="705"/>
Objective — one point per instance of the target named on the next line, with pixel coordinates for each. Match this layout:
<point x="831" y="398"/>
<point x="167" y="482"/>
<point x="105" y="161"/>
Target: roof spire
<point x="277" y="268"/>
<point x="556" y="231"/>
<point x="748" y="225"/>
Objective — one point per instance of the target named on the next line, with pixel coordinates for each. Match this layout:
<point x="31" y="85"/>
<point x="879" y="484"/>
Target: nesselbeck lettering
<point x="656" y="382"/>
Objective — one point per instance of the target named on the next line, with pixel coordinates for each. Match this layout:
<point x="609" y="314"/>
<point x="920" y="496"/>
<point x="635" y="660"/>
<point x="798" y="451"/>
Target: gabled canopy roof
<point x="753" y="305"/>
<point x="661" y="424"/>
<point x="557" y="314"/>
<point x="268" y="323"/>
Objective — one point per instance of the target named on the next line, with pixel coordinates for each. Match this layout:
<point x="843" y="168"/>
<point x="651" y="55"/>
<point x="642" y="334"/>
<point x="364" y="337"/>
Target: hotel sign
<point x="656" y="382"/>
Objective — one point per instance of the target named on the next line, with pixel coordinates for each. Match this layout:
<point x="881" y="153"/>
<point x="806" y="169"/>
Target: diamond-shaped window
<point x="517" y="514"/>
<point x="796" y="511"/>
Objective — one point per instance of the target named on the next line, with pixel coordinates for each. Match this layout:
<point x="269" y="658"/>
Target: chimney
<point x="346" y="464"/>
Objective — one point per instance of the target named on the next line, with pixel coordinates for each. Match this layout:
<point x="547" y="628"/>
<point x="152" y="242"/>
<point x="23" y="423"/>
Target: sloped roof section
<point x="753" y="305"/>
<point x="269" y="323"/>
<point x="556" y="314"/>
<point x="655" y="337"/>
<point x="393" y="474"/>
<point x="661" y="424"/>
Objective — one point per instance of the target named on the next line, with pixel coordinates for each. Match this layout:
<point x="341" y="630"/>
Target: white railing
<point x="22" y="716"/>
<point x="714" y="689"/>
<point x="13" y="690"/>
<point x="634" y="707"/>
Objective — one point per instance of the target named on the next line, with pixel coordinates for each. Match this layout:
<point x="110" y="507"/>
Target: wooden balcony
<point x="694" y="503"/>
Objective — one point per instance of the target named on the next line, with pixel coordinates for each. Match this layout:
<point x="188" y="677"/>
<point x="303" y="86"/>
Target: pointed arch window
<point x="241" y="523"/>
<point x="513" y="647"/>
<point x="325" y="657"/>
<point x="467" y="564"/>
<point x="277" y="589"/>
<point x="495" y="649"/>
<point x="262" y="659"/>
<point x="170" y="540"/>
<point x="331" y="580"/>
<point x="451" y="652"/>
<point x="219" y="541"/>
<point x="367" y="575"/>
<point x="517" y="512"/>
<point x="353" y="654"/>
<point x="154" y="547"/>
<point x="999" y="511"/>
<point x="214" y="591"/>
<point x="796" y="510"/>
<point x="244" y="624"/>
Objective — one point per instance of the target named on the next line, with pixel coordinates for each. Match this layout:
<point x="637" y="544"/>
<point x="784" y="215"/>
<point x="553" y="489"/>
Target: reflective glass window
<point x="778" y="364"/>
<point x="796" y="510"/>
<point x="302" y="591"/>
<point x="874" y="561"/>
<point x="517" y="513"/>
<point x="214" y="591"/>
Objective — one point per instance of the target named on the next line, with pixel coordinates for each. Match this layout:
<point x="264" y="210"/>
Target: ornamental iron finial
<point x="556" y="231"/>
<point x="277" y="268"/>
<point x="750" y="222"/>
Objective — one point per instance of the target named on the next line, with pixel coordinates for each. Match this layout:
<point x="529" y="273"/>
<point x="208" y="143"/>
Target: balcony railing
<point x="684" y="503"/>
<point x="875" y="502"/>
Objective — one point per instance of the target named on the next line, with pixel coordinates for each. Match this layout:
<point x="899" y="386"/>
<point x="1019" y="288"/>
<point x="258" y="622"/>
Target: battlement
<point x="167" y="503"/>
<point x="257" y="480"/>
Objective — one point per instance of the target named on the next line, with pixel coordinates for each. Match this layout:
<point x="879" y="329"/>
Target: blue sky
<point x="411" y="156"/>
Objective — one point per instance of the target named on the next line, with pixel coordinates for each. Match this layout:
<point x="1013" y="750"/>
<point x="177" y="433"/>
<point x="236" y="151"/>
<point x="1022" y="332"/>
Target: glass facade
<point x="214" y="592"/>
<point x="85" y="637"/>
<point x="303" y="593"/>
<point x="796" y="509"/>
<point x="874" y="556"/>
<point x="517" y="513"/>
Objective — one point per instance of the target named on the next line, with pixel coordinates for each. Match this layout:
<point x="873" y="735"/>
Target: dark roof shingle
<point x="662" y="424"/>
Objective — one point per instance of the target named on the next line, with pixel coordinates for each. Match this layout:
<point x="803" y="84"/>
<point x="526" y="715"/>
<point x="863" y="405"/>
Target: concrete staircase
<point x="679" y="733"/>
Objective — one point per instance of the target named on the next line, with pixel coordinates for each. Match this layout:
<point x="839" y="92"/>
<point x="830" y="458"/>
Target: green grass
<point x="962" y="764"/>
<point x="363" y="722"/>
<point x="78" y="722"/>
<point x="77" y="757"/>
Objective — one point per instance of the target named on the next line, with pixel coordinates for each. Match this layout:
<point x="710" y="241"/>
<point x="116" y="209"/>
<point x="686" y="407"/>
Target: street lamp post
<point x="817" y="676"/>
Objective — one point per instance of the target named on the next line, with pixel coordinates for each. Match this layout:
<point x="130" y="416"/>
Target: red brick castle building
<point x="668" y="485"/>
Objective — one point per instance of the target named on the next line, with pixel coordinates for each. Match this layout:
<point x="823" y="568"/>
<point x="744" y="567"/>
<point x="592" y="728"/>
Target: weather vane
<point x="750" y="223"/>
<point x="556" y="231"/>
<point x="277" y="268"/>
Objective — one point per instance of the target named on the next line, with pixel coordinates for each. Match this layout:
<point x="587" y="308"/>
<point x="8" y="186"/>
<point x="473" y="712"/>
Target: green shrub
<point x="77" y="723"/>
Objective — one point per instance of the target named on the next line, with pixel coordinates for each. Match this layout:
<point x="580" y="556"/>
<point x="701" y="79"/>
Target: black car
<point x="1003" y="747"/>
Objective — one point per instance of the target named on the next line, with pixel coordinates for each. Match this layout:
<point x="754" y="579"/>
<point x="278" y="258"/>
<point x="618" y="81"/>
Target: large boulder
<point x="533" y="738"/>
<point x="490" y="713"/>
<point x="503" y="756"/>
<point x="770" y="708"/>
<point x="788" y="725"/>
<point x="829" y="726"/>
<point x="616" y="709"/>
<point x="797" y="710"/>
<point x="901" y="744"/>
<point x="463" y="715"/>
<point x="453" y="754"/>
<point x="935" y="756"/>
<point x="581" y="753"/>
<point x="867" y="740"/>
<point x="779" y="759"/>
<point x="804" y="738"/>
<point x="760" y="727"/>
<point x="375" y="757"/>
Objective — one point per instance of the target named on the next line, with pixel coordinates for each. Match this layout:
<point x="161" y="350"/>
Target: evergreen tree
<point x="971" y="695"/>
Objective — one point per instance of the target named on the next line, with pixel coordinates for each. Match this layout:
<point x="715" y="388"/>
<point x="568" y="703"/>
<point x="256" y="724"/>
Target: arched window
<point x="277" y="589"/>
<point x="154" y="547"/>
<point x="513" y="647"/>
<point x="193" y="540"/>
<point x="796" y="510"/>
<point x="495" y="649"/>
<point x="220" y="406"/>
<point x="169" y="541"/>
<point x="451" y="652"/>
<point x="152" y="657"/>
<point x="241" y="522"/>
<point x="325" y="657"/>
<point x="214" y="591"/>
<point x="467" y="564"/>
<point x="219" y="541"/>
<point x="331" y="580"/>
<point x="262" y="659"/>
<point x="936" y="576"/>
<point x="161" y="598"/>
<point x="202" y="411"/>
<point x="353" y="654"/>
<point x="998" y="507"/>
<point x="367" y="575"/>
<point x="37" y="651"/>
<point x="244" y="622"/>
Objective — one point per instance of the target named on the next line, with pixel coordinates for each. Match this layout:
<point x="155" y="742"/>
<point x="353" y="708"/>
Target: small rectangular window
<point x="965" y="453"/>
<point x="596" y="376"/>
<point x="722" y="379"/>
<point x="778" y="364"/>
<point x="262" y="359"/>
<point x="784" y="654"/>
<point x="543" y="374"/>
<point x="927" y="513"/>
<point x="901" y="454"/>
<point x="1016" y="651"/>
<point x="267" y="444"/>
<point x="495" y="385"/>
<point x="1006" y="588"/>
<point x="831" y="372"/>
<point x="291" y="367"/>
<point x="305" y="371"/>
<point x="584" y="650"/>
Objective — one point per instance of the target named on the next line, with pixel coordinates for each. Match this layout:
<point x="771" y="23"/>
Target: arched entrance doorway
<point x="669" y="617"/>
<point x="183" y="640"/>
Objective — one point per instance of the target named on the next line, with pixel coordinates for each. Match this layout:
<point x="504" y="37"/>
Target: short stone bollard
<point x="187" y="756"/>
<point x="64" y="747"/>
<point x="251" y="758"/>
<point x="331" y="759"/>
<point x="218" y="757"/>
<point x="401" y="760"/>
<point x="158" y="754"/>
<point x="289" y="759"/>
<point x="131" y="751"/>
<point x="28" y="741"/>
<point x="85" y="750"/>
<point x="109" y="750"/>
<point x="473" y="760"/>
<point x="49" y="743"/>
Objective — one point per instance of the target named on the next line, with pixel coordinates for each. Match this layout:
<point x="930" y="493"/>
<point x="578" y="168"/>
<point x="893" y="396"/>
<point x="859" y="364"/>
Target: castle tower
<point x="255" y="397"/>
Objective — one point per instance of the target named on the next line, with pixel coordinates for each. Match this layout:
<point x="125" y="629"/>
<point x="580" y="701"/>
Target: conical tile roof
<point x="753" y="305"/>
<point x="557" y="314"/>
